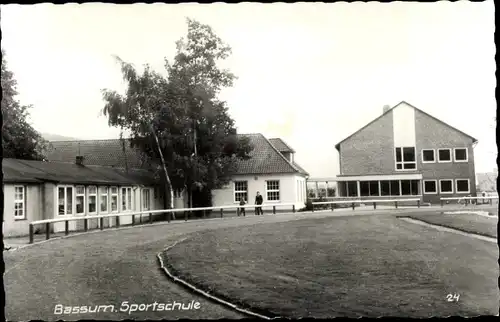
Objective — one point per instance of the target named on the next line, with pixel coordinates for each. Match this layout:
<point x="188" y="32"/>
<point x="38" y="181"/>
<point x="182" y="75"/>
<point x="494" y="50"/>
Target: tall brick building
<point x="406" y="152"/>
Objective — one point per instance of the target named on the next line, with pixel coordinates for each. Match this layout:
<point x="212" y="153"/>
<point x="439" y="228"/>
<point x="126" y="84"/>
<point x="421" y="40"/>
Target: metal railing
<point x="85" y="219"/>
<point x="466" y="199"/>
<point x="360" y="201"/>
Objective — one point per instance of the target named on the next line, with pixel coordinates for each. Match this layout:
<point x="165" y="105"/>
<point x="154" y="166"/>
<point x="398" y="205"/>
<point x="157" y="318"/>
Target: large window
<point x="444" y="155"/>
<point x="126" y="197"/>
<point x="395" y="191"/>
<point x="369" y="188"/>
<point x="65" y="197"/>
<point x="405" y="158"/>
<point x="446" y="186"/>
<point x="146" y="199"/>
<point x="19" y="202"/>
<point x="364" y="188"/>
<point x="385" y="188"/>
<point x="114" y="199"/>
<point x="240" y="191"/>
<point x="92" y="193"/>
<point x="462" y="186"/>
<point x="461" y="155"/>
<point x="352" y="189"/>
<point x="273" y="190"/>
<point x="428" y="156"/>
<point x="103" y="199"/>
<point x="80" y="199"/>
<point x="430" y="186"/>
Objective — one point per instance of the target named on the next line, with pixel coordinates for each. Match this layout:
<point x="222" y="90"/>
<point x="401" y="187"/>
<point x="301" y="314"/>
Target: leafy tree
<point x="179" y="119"/>
<point x="19" y="139"/>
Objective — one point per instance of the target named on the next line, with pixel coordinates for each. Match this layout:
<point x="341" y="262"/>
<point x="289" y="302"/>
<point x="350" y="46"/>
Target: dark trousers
<point x="258" y="211"/>
<point x="242" y="211"/>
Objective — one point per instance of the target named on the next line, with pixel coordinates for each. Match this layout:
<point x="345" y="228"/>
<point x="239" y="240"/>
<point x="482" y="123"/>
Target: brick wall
<point x="370" y="151"/>
<point x="432" y="134"/>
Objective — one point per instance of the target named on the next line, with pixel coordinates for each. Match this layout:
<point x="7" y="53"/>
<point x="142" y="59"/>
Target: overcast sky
<point x="311" y="74"/>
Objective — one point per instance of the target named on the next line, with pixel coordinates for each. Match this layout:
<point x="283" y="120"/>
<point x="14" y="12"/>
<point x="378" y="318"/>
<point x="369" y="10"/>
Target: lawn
<point x="470" y="223"/>
<point x="345" y="266"/>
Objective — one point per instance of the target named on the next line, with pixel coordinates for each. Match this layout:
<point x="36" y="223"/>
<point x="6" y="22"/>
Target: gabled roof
<point x="280" y="145"/>
<point x="27" y="171"/>
<point x="265" y="157"/>
<point x="337" y="146"/>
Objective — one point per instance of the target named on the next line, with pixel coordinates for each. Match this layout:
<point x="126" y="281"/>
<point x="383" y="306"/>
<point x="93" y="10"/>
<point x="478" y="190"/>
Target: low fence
<point x="468" y="200"/>
<point x="353" y="203"/>
<point x="168" y="212"/>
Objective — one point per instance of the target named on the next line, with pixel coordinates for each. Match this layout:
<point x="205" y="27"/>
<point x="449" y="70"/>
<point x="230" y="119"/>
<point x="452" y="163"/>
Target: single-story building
<point x="272" y="169"/>
<point x="36" y="190"/>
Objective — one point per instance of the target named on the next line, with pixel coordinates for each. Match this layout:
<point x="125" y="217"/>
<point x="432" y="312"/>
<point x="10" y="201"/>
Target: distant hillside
<point x="56" y="137"/>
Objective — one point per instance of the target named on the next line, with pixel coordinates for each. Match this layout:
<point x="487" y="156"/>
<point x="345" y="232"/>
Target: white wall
<point x="289" y="192"/>
<point x="33" y="210"/>
<point x="404" y="126"/>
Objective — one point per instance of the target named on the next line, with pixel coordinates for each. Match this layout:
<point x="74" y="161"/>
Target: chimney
<point x="386" y="108"/>
<point x="79" y="160"/>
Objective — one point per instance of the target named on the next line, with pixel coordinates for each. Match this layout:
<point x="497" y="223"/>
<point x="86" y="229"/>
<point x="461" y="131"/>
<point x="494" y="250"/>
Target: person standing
<point x="242" y="209"/>
<point x="258" y="202"/>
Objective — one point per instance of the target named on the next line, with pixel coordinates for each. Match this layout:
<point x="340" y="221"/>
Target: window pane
<point x="103" y="190"/>
<point x="428" y="155"/>
<point x="92" y="203"/>
<point x="408" y="154"/>
<point x="114" y="203"/>
<point x="460" y="154"/>
<point x="414" y="187"/>
<point x="92" y="190"/>
<point x="61" y="200"/>
<point x="444" y="155"/>
<point x="385" y="187"/>
<point x="352" y="187"/>
<point x="430" y="186"/>
<point x="124" y="198"/>
<point x="409" y="166"/>
<point x="19" y="213"/>
<point x="364" y="187"/>
<point x="104" y="203"/>
<point x="240" y="186"/>
<point x="374" y="188"/>
<point x="80" y="190"/>
<point x="446" y="186"/>
<point x="240" y="195"/>
<point x="273" y="195"/>
<point x="395" y="188"/>
<point x="114" y="190"/>
<point x="79" y="204"/>
<point x="462" y="186"/>
<point x="405" y="187"/>
<point x="398" y="155"/>
<point x="69" y="200"/>
<point x="399" y="166"/>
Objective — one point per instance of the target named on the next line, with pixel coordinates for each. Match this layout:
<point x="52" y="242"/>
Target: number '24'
<point x="452" y="297"/>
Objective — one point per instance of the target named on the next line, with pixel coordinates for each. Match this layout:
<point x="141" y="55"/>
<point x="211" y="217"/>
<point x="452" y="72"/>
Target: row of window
<point x="383" y="188"/>
<point x="86" y="199"/>
<point x="446" y="186"/>
<point x="406" y="156"/>
<point x="272" y="190"/>
<point x="89" y="199"/>
<point x="406" y="187"/>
